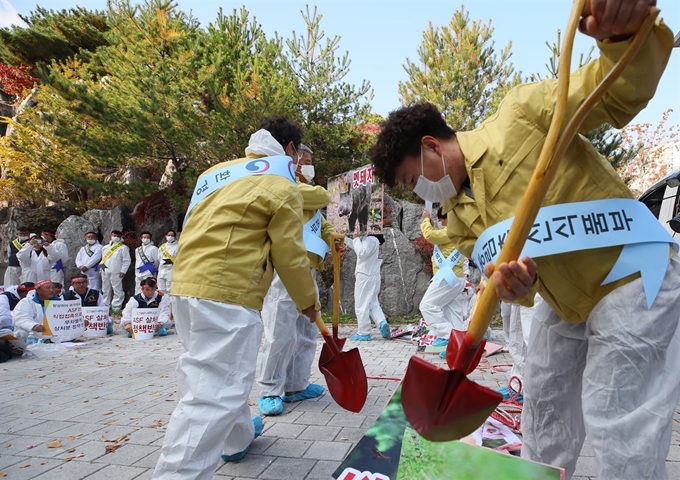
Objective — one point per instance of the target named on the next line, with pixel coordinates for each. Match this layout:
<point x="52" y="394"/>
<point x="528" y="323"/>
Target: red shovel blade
<point x="345" y="376"/>
<point x="453" y="350"/>
<point x="326" y="353"/>
<point x="443" y="405"/>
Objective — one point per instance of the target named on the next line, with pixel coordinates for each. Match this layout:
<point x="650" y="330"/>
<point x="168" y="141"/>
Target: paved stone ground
<point x="118" y="394"/>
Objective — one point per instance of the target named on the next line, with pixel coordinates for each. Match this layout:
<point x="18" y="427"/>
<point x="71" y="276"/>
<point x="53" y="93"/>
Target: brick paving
<point x="60" y="414"/>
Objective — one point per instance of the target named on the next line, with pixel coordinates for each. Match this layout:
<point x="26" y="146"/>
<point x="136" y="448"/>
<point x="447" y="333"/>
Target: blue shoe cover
<point x="129" y="335"/>
<point x="442" y="354"/>
<point x="257" y="423"/>
<point x="360" y="338"/>
<point x="312" y="391"/>
<point x="109" y="329"/>
<point x="270" y="406"/>
<point x="385" y="329"/>
<point x="440" y="342"/>
<point x="162" y="332"/>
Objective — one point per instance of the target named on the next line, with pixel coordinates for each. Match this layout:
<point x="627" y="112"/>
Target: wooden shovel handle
<point x="336" y="280"/>
<point x="551" y="154"/>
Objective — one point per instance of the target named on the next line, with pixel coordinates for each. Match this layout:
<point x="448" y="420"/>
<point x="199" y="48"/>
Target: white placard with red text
<point x="98" y="320"/>
<point x="144" y="321"/>
<point x="63" y="318"/>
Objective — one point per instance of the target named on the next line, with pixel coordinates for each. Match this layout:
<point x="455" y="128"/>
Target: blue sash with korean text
<point x="147" y="265"/>
<point x="208" y="183"/>
<point x="578" y="226"/>
<point x="311" y="234"/>
<point x="445" y="266"/>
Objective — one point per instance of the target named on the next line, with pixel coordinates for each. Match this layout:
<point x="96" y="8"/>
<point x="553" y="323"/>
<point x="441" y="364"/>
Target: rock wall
<point x="403" y="280"/>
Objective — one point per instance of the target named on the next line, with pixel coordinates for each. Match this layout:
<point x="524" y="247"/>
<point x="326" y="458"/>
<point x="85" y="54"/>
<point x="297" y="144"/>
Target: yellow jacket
<point x="234" y="238"/>
<point x="439" y="237"/>
<point x="314" y="198"/>
<point x="500" y="156"/>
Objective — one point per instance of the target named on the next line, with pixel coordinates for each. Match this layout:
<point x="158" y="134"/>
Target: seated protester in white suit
<point x="57" y="253"/>
<point x="167" y="253"/>
<point x="113" y="266"/>
<point x="149" y="297"/>
<point x="89" y="297"/>
<point x="34" y="261"/>
<point x="9" y="299"/>
<point x="367" y="286"/>
<point x="88" y="258"/>
<point x="13" y="272"/>
<point x="29" y="312"/>
<point x="147" y="258"/>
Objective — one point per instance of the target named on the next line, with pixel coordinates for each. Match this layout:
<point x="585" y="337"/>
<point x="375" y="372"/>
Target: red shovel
<point x="344" y="371"/>
<point x="443" y="405"/>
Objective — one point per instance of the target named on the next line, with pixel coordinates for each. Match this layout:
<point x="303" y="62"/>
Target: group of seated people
<point x="22" y="307"/>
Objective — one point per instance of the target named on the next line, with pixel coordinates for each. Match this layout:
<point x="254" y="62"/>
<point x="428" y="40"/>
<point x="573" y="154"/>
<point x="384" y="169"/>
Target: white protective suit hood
<point x="263" y="143"/>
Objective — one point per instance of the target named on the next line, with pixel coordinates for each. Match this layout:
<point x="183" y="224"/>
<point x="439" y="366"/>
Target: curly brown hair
<point x="400" y="135"/>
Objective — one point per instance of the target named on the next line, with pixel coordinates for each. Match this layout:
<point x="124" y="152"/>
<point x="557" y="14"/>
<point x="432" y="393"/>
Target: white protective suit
<point x="165" y="268"/>
<point x="35" y="265"/>
<point x="163" y="310"/>
<point x="206" y="336"/>
<point x="57" y="251"/>
<point x="26" y="315"/>
<point x="443" y="307"/>
<point x="112" y="283"/>
<point x="614" y="378"/>
<point x="367" y="282"/>
<point x="5" y="311"/>
<point x="91" y="262"/>
<point x="152" y="254"/>
<point x="295" y="344"/>
<point x="519" y="328"/>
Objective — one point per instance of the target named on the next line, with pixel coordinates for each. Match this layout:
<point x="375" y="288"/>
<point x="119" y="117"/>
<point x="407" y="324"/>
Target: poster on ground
<point x="356" y="202"/>
<point x="97" y="319"/>
<point x="63" y="319"/>
<point x="144" y="321"/>
<point x="391" y="450"/>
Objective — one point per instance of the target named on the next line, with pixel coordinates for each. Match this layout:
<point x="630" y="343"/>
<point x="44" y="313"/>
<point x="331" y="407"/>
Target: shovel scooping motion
<point x="444" y="405"/>
<point x="344" y="371"/>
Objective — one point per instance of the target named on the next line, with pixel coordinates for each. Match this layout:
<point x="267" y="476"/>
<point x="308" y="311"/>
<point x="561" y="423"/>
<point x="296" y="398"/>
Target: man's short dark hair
<point x="116" y="232"/>
<point x="282" y="129"/>
<point x="400" y="135"/>
<point x="146" y="232"/>
<point x="23" y="229"/>
<point x="149" y="282"/>
<point x="171" y="231"/>
<point x="91" y="233"/>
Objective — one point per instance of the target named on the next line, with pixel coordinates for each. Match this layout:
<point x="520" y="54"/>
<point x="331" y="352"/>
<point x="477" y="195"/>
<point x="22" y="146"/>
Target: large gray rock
<point x="72" y="232"/>
<point x="392" y="213"/>
<point x="158" y="226"/>
<point x="347" y="281"/>
<point x="117" y="219"/>
<point x="400" y="269"/>
<point x="96" y="218"/>
<point x="412" y="217"/>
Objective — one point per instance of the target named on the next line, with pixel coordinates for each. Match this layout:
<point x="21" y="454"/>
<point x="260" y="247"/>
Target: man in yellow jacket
<point x="442" y="304"/>
<point x="290" y="339"/>
<point x="604" y="355"/>
<point x="244" y="220"/>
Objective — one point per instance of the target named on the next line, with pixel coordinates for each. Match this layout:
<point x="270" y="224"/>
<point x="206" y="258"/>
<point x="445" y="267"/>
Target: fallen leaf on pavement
<point x="25" y="465"/>
<point x="113" y="420"/>
<point x="73" y="437"/>
<point x="107" y="413"/>
<point x="3" y="474"/>
<point x="113" y="447"/>
<point x="54" y="444"/>
<point x="30" y="446"/>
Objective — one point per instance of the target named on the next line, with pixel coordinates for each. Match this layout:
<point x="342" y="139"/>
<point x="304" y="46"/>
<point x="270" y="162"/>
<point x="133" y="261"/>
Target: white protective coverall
<point x="112" y="283"/>
<point x="57" y="251"/>
<point x="91" y="262"/>
<point x="367" y="282"/>
<point x="26" y="315"/>
<point x="442" y="306"/>
<point x="618" y="372"/>
<point x="5" y="311"/>
<point x="519" y="328"/>
<point x="163" y="309"/>
<point x="165" y="267"/>
<point x="35" y="265"/>
<point x="153" y="255"/>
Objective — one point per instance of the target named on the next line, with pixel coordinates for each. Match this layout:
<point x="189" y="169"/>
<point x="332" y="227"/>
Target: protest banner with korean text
<point x="63" y="318"/>
<point x="97" y="320"/>
<point x="144" y="321"/>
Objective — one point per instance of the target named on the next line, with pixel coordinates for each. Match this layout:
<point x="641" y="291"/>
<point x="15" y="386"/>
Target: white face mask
<point x="307" y="171"/>
<point x="91" y="241"/>
<point x="22" y="239"/>
<point x="146" y="241"/>
<point x="115" y="239"/>
<point x="170" y="239"/>
<point x="436" y="192"/>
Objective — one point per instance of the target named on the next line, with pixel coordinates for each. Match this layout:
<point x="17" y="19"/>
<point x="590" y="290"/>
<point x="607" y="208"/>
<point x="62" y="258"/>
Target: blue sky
<point x="381" y="34"/>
